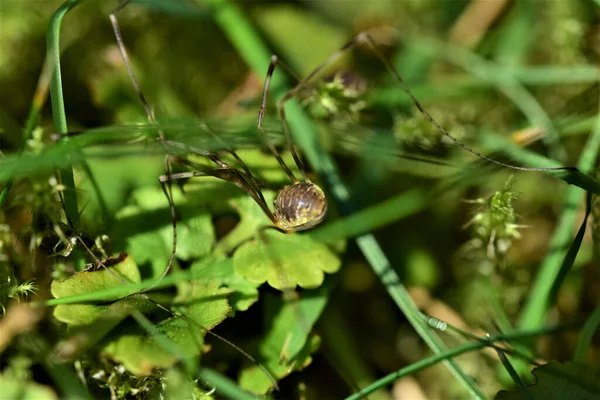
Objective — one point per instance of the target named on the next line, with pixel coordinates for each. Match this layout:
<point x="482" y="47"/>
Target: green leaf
<point x="147" y="231"/>
<point x="91" y="323"/>
<point x="276" y="349"/>
<point x="555" y="381"/>
<point x="79" y="314"/>
<point x="17" y="389"/>
<point x="205" y="303"/>
<point x="252" y="218"/>
<point x="92" y="281"/>
<point x="285" y="261"/>
<point x="244" y="293"/>
<point x="140" y="353"/>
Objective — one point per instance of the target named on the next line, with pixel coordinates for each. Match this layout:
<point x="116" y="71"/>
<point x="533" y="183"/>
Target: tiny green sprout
<point x="493" y="225"/>
<point x="17" y="291"/>
<point x="22" y="290"/>
<point x="341" y="98"/>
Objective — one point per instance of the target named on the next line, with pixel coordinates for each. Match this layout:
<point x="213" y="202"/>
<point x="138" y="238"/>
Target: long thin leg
<point x="253" y="182"/>
<point x="226" y="173"/>
<point x="366" y="39"/>
<point x="167" y="189"/>
<point x="288" y="138"/>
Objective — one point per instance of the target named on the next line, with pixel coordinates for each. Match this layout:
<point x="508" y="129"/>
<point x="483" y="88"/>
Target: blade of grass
<point x="513" y="373"/>
<point x="4" y="193"/>
<point x="586" y="334"/>
<point x="224" y="385"/>
<point x="516" y="34"/>
<point x="39" y="98"/>
<point x="250" y="46"/>
<point x="569" y="259"/>
<point x="539" y="299"/>
<point x="450" y="353"/>
<point x="58" y="107"/>
<point x="577" y="178"/>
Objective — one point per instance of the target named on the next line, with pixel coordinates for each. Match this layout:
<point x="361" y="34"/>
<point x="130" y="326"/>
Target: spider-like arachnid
<point x="301" y="205"/>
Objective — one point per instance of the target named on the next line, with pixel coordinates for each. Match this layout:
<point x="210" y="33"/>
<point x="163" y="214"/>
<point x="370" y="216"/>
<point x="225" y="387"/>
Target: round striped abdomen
<point x="300" y="206"/>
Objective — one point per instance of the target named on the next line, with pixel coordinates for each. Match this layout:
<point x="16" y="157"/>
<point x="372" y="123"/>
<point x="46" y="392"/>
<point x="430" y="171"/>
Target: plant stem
<point x="58" y="107"/>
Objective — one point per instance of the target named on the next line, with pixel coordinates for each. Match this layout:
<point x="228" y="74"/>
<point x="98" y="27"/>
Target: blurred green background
<point x="491" y="72"/>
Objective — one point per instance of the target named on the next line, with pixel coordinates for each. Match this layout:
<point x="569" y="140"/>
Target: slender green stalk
<point x="245" y="39"/>
<point x="577" y="178"/>
<point x="585" y="336"/>
<point x="447" y="354"/>
<point x="39" y="98"/>
<point x="540" y="296"/>
<point x="224" y="385"/>
<point x="513" y="373"/>
<point x="4" y="192"/>
<point x="58" y="107"/>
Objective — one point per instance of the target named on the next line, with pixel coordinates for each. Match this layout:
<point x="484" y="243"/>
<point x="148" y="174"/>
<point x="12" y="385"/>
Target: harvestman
<point x="299" y="206"/>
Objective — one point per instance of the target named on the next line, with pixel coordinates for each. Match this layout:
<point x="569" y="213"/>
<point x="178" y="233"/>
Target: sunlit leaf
<point x="90" y="323"/>
<point x="285" y="261"/>
<point x="275" y="350"/>
<point x="147" y="230"/>
<point x="244" y="293"/>
<point x="91" y="281"/>
<point x="140" y="353"/>
<point x="205" y="303"/>
<point x="25" y="390"/>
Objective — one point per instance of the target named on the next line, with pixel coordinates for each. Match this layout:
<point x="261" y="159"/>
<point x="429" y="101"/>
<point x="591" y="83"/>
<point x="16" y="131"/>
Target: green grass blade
<point x="224" y="385"/>
<point x="580" y="179"/>
<point x="569" y="259"/>
<point x="249" y="45"/>
<point x="447" y="354"/>
<point x="58" y="106"/>
<point x="586" y="334"/>
<point x="516" y="34"/>
<point x="539" y="300"/>
<point x="513" y="373"/>
<point x="4" y="193"/>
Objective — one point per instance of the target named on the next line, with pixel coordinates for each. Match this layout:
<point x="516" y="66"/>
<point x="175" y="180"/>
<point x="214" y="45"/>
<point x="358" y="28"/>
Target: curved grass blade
<point x="224" y="385"/>
<point x="586" y="334"/>
<point x="538" y="302"/>
<point x="58" y="107"/>
<point x="450" y="353"/>
<point x="569" y="259"/>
